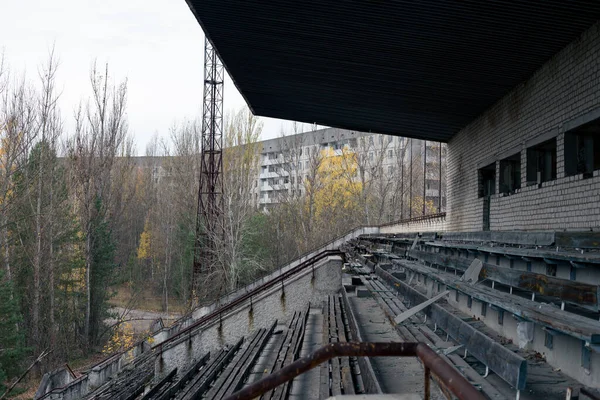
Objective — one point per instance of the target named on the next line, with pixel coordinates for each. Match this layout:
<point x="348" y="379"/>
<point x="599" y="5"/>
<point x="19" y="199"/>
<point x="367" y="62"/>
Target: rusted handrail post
<point x="432" y="363"/>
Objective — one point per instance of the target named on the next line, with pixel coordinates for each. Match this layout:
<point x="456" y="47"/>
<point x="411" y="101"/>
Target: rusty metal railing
<point x="447" y="377"/>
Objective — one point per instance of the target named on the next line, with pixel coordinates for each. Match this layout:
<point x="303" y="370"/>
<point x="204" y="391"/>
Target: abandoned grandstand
<point x="502" y="290"/>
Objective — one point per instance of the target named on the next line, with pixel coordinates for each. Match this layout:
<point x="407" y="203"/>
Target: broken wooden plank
<point x="409" y="313"/>
<point x="568" y="323"/>
<point x="336" y="380"/>
<point x="414" y="244"/>
<point x="580" y="240"/>
<point x="506" y="364"/>
<point x="563" y="289"/>
<point x="471" y="275"/>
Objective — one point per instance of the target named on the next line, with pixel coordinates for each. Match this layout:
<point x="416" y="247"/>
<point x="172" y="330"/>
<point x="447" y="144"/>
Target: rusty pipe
<point x="450" y="377"/>
<point x="321" y="355"/>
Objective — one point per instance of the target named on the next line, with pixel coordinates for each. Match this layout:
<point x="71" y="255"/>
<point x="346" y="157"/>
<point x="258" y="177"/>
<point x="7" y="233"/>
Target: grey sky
<point x="156" y="44"/>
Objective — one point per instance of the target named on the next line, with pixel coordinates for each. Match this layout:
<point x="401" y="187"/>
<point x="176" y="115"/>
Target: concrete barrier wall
<point x="431" y="224"/>
<point x="169" y="332"/>
<point x="277" y="303"/>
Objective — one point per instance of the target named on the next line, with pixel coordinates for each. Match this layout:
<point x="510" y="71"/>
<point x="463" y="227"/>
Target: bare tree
<point x="374" y="182"/>
<point x="240" y="167"/>
<point x="399" y="190"/>
<point x="100" y="131"/>
<point x="18" y="133"/>
<point x="49" y="128"/>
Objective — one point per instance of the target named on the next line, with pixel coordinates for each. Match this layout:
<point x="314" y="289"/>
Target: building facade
<point x="532" y="161"/>
<point x="287" y="164"/>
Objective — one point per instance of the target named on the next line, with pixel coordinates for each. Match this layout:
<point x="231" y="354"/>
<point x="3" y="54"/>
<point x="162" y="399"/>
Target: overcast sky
<point x="156" y="44"/>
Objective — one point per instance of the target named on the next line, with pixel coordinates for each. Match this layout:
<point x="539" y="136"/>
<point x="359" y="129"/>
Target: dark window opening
<point x="487" y="180"/>
<point x="510" y="174"/>
<point x="551" y="269"/>
<point x="469" y="302"/>
<point x="549" y="340"/>
<point x="541" y="162"/>
<point x="483" y="309"/>
<point x="586" y="354"/>
<point x="500" y="317"/>
<point x="582" y="149"/>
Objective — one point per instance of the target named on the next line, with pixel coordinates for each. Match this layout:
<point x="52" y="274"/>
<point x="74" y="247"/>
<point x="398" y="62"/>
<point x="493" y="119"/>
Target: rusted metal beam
<point x="455" y="382"/>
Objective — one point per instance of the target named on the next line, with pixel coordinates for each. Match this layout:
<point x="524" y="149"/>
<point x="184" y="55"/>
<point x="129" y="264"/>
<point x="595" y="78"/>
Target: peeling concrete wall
<point x="58" y="378"/>
<point x="278" y="303"/>
<point x="97" y="376"/>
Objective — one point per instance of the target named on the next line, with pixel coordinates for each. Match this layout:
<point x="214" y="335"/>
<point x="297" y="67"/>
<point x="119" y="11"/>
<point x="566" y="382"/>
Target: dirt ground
<point x="141" y="320"/>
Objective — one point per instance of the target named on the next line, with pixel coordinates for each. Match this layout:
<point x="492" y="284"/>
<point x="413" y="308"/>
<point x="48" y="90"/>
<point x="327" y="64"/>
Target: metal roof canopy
<point x="422" y="69"/>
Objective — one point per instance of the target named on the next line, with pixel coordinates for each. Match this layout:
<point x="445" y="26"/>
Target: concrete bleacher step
<point x="416" y="330"/>
<point x="282" y="352"/>
<point x="394" y="374"/>
<point x="267" y="357"/>
<point x="200" y="383"/>
<point x="306" y="386"/>
<point x="129" y="383"/>
<point x="233" y="377"/>
<point x="536" y="387"/>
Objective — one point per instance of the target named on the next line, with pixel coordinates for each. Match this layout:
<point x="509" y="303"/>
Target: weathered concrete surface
<point x="395" y="374"/>
<point x="298" y="291"/>
<point x="57" y="378"/>
<point x="306" y="386"/>
<point x="433" y="224"/>
<point x="278" y="303"/>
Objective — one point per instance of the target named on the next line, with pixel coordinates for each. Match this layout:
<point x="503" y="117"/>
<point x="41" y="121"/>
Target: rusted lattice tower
<point x="210" y="192"/>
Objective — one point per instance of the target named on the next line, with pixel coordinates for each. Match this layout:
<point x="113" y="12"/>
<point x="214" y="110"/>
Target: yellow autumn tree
<point x="143" y="251"/>
<point x="121" y="339"/>
<point x="336" y="200"/>
<point x="417" y="206"/>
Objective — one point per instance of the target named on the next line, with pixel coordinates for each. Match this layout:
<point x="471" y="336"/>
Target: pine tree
<point x="103" y="266"/>
<point x="12" y="348"/>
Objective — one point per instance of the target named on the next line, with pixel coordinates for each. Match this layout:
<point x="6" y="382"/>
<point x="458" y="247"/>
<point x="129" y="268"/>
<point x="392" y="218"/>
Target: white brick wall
<point x="566" y="87"/>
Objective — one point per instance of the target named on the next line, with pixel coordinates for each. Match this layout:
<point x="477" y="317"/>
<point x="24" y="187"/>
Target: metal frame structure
<point x="445" y="375"/>
<point x="210" y="190"/>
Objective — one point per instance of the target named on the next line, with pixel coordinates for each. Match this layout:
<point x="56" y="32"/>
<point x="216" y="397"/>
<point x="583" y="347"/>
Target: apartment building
<point x="286" y="163"/>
